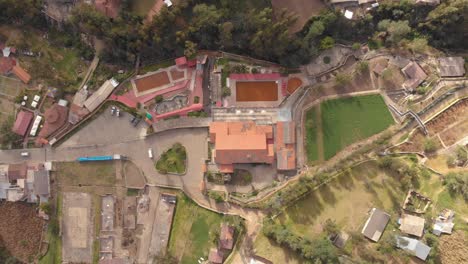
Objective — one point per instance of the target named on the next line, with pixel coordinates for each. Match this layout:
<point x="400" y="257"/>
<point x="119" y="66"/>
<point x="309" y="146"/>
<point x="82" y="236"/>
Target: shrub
<point x="217" y="196"/>
<point x="429" y="145"/>
<point x="196" y="99"/>
<point x="326" y="59"/>
<point x="457" y="183"/>
<point x="226" y="91"/>
<point x="327" y="43"/>
<point x="356" y="46"/>
<point x="343" y="79"/>
<point x="158" y="99"/>
<point x="254" y="70"/>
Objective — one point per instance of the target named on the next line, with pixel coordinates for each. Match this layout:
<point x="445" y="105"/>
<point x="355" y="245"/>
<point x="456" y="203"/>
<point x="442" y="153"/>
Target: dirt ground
<point x="453" y="249"/>
<point x="256" y="91"/>
<point x="133" y="176"/>
<point x="20" y="230"/>
<point x="77" y="227"/>
<point x="450" y="116"/>
<point x="416" y="143"/>
<point x="453" y="134"/>
<point x="360" y="83"/>
<point x="293" y="84"/>
<point x="152" y="81"/>
<point x="304" y="9"/>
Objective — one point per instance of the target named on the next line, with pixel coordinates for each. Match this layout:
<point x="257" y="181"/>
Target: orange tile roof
<point x="21" y="74"/>
<point x="241" y="142"/>
<point x="285" y="139"/>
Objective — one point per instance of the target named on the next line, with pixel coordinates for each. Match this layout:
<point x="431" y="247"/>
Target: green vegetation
<point x="326" y="59"/>
<point x="7" y="136"/>
<point x="457" y="184"/>
<point x="241" y="177"/>
<point x="319" y="250"/>
<point x="312" y="130"/>
<point x="191" y="230"/>
<point x="173" y="160"/>
<point x="54" y="251"/>
<point x="132" y="192"/>
<point x="347" y="120"/>
<point x="219" y="197"/>
<point x="354" y="191"/>
<point x="94" y="173"/>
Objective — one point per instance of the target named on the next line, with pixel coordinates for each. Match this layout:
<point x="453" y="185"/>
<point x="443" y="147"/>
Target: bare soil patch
<point x="133" y="177"/>
<point x="450" y="116"/>
<point x="152" y="81"/>
<point x="304" y="9"/>
<point x="176" y="75"/>
<point x="394" y="79"/>
<point x="256" y="91"/>
<point x="293" y="84"/>
<point x="455" y="133"/>
<point x="20" y="230"/>
<point x="416" y="143"/>
<point x="453" y="248"/>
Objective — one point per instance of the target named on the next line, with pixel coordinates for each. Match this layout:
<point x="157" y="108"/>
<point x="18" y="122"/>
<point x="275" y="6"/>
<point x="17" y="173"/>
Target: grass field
<point x="93" y="173"/>
<point x="345" y="200"/>
<point x="192" y="231"/>
<point x="345" y="121"/>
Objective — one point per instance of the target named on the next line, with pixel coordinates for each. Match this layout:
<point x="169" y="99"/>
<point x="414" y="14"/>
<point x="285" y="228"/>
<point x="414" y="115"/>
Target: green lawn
<point x="173" y="160"/>
<point x="54" y="251"/>
<point x="346" y="200"/>
<point x="192" y="231"/>
<point x="100" y="173"/>
<point x="312" y="128"/>
<point x="347" y="120"/>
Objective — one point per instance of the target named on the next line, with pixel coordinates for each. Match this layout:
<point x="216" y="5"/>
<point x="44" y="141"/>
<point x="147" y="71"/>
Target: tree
<point x="343" y="79"/>
<point x="362" y="66"/>
<point x="418" y="45"/>
<point x="190" y="49"/>
<point x="225" y="37"/>
<point x="327" y="43"/>
<point x="330" y="227"/>
<point x="396" y="30"/>
<point x="7" y="136"/>
<point x="457" y="183"/>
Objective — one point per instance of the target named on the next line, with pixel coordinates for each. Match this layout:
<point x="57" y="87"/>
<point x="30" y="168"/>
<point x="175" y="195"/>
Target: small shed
<point x="415" y="247"/>
<point x="412" y="225"/>
<point x="226" y="237"/>
<point x="375" y="224"/>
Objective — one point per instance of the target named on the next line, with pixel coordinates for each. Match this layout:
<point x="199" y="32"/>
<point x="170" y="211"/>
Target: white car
<point x="112" y="110"/>
<point x="24" y="154"/>
<point x="117" y="112"/>
<point x="150" y="153"/>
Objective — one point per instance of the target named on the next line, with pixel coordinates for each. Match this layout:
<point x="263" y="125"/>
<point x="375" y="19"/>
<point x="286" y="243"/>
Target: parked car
<point x="137" y="120"/>
<point x="113" y="110"/>
<point x="150" y="153"/>
<point x="24" y="154"/>
<point x="117" y="112"/>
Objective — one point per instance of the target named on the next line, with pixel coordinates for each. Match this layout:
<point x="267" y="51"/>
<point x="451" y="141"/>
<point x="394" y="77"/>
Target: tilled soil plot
<point x="453" y="248"/>
<point x="20" y="230"/>
<point x="449" y="116"/>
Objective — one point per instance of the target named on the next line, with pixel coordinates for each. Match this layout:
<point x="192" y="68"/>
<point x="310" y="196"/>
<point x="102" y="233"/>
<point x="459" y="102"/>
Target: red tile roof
<point x="241" y="142"/>
<point x="216" y="256"/>
<point x="6" y="64"/>
<point x="226" y="236"/>
<point x="17" y="171"/>
<point x="23" y="120"/>
<point x="55" y="118"/>
<point x="181" y="61"/>
<point x="21" y="74"/>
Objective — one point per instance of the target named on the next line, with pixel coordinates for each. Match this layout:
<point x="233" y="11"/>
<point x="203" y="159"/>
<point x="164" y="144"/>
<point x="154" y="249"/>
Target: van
<point x="24" y="154"/>
<point x="150" y="153"/>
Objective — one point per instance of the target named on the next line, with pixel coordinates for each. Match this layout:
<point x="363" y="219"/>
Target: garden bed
<point x="173" y="160"/>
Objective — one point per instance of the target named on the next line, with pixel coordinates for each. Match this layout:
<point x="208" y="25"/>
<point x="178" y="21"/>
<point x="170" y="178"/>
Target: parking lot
<point x="108" y="128"/>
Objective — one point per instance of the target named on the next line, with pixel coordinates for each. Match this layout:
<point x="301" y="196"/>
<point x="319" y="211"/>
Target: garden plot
<point x="343" y="122"/>
<point x="10" y="87"/>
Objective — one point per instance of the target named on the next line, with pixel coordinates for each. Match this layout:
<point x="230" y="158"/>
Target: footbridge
<point x="413" y="114"/>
